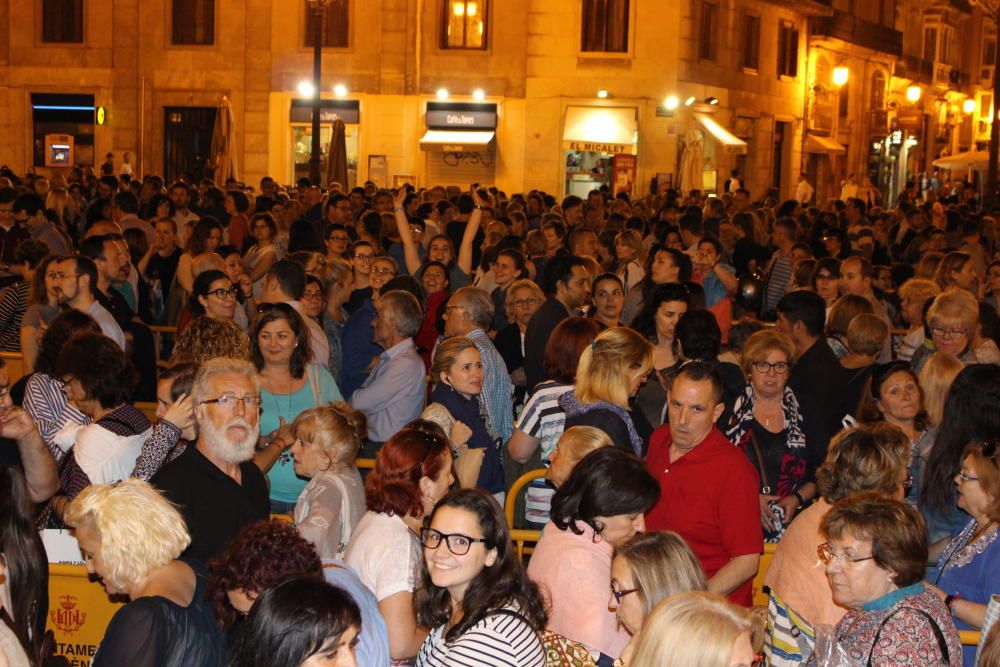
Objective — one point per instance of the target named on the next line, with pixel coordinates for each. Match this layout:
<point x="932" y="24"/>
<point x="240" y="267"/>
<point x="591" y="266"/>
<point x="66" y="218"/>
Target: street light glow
<point x="671" y="103"/>
<point x="340" y="90"/>
<point x="913" y="94"/>
<point x="689" y="101"/>
<point x="478" y="95"/>
<point x="840" y="75"/>
<point x="442" y="93"/>
<point x="602" y="93"/>
<point x="307" y="89"/>
<point x="969" y="106"/>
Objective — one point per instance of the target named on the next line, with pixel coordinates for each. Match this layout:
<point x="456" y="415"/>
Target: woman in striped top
<point x="475" y="595"/>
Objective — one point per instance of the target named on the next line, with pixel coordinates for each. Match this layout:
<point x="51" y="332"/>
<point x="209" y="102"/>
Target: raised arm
<point x="410" y="250"/>
<point x="39" y="466"/>
<point x="469" y="236"/>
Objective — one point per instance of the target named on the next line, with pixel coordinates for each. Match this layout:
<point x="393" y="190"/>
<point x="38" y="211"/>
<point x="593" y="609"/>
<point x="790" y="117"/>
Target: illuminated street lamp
<point x="969" y="106"/>
<point x="913" y="94"/>
<point x="840" y="75"/>
<point x="671" y="103"/>
<point x="318" y="7"/>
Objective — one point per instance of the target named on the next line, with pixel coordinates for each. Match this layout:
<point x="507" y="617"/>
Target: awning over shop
<point x="455" y="141"/>
<point x="600" y="130"/>
<point x="975" y="160"/>
<point x="730" y="142"/>
<point x="816" y="143"/>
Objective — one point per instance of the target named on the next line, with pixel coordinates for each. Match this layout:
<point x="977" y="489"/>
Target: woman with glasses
<point x="524" y="298"/>
<point x="968" y="571"/>
<point x="475" y="596"/>
<point x="646" y="570"/>
<point x="258" y="259"/>
<point x="825" y="280"/>
<point x="214" y="295"/>
<point x="875" y="550"/>
<point x="412" y="472"/>
<point x="953" y="320"/>
<point x="768" y="426"/>
<point x="600" y="507"/>
<point x="860" y="459"/>
<point x="314" y="298"/>
<point x="290" y="383"/>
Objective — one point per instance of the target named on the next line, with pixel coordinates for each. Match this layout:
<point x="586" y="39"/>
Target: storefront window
<point x="302" y="151"/>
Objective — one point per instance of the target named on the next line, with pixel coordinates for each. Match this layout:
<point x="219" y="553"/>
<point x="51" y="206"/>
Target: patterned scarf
<point x="573" y="407"/>
<point x="793" y="463"/>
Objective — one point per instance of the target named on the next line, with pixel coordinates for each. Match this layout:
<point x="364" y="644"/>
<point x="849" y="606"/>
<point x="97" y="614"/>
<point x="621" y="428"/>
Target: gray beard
<point x="222" y="447"/>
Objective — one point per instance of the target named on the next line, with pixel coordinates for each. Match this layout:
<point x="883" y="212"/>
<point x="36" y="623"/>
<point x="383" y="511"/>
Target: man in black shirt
<point x="567" y="289"/>
<point x="217" y="487"/>
<point x="818" y="380"/>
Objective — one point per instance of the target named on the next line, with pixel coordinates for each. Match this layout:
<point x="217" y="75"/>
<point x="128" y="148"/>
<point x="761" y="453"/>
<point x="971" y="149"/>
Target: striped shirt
<point x="499" y="640"/>
<point x="779" y="281"/>
<point x="543" y="419"/>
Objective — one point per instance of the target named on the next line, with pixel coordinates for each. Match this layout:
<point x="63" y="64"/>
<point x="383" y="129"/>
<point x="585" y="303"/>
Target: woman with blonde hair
<point x="131" y="537"/>
<point x="957" y="269"/>
<point x="935" y="379"/>
<point x="928" y="265"/>
<point x="572" y="446"/>
<point x="453" y="405"/>
<point x="327" y="439"/>
<point x="696" y="629"/>
<point x="844" y="309"/>
<point x="953" y="321"/>
<point x="646" y="570"/>
<point x="610" y="373"/>
<point x="913" y="295"/>
<point x="628" y="251"/>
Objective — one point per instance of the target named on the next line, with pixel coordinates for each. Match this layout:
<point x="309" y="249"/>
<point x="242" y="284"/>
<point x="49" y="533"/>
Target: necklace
<point x="982" y="531"/>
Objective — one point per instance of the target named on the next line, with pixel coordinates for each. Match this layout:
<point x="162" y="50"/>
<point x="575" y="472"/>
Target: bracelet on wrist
<point x="798" y="496"/>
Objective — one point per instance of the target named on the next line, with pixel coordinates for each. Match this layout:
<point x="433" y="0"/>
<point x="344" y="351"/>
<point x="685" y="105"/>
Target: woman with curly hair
<point x="475" y="596"/>
<point x="208" y="338"/>
<point x="268" y="552"/>
<point x="131" y="537"/>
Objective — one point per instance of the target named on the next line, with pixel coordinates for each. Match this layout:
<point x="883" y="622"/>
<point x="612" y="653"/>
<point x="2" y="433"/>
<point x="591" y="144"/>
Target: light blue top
<point x="373" y="642"/>
<point x="319" y="389"/>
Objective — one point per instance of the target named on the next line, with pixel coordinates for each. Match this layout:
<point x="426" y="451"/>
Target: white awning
<point x="600" y="130"/>
<point x="975" y="160"/>
<point x="730" y="142"/>
<point x="455" y="141"/>
<point x="817" y="143"/>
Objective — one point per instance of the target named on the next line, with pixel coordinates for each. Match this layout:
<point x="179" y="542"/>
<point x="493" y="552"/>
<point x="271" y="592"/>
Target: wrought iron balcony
<point x="859" y="32"/>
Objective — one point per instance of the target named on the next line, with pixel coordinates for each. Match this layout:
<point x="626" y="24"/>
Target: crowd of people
<point x="348" y="383"/>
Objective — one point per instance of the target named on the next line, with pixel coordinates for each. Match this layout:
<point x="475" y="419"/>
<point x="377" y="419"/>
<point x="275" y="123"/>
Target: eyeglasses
<point x="779" y="367"/>
<point x="619" y="594"/>
<point x="941" y="332"/>
<point x="384" y="271"/>
<point x="222" y="293"/>
<point x="966" y="477"/>
<point x="312" y="295"/>
<point x="229" y="402"/>
<point x="364" y="258"/>
<point x="520" y="303"/>
<point x="457" y="543"/>
<point x="828" y="555"/>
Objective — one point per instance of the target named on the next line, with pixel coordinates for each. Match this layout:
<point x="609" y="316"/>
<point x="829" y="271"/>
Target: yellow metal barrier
<point x="14" y="363"/>
<point x="365" y="464"/>
<point x="515" y="490"/>
<point x="148" y="409"/>
<point x="79" y="612"/>
<point x="969" y="637"/>
<point x="759" y="596"/>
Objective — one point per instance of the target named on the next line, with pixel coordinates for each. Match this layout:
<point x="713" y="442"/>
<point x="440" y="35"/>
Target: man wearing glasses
<point x="215" y="484"/>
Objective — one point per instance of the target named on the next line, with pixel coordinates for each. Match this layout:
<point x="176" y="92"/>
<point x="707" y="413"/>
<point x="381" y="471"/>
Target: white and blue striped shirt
<point x="499" y="640"/>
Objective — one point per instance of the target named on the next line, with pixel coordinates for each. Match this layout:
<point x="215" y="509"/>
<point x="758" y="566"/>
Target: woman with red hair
<point x="412" y="472"/>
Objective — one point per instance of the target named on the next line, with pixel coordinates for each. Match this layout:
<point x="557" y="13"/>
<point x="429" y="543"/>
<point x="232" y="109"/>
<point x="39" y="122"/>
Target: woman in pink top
<point x="599" y="507"/>
<point x="861" y="459"/>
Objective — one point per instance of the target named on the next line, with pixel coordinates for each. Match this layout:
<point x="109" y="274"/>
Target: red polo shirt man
<point x="708" y="488"/>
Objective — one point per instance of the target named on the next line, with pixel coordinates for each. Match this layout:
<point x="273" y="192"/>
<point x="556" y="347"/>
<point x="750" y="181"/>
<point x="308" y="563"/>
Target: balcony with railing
<point x="851" y="29"/>
<point x="931" y="73"/>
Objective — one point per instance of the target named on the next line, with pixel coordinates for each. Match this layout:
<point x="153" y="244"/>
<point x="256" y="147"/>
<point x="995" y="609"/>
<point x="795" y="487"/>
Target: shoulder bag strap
<point x="765" y="488"/>
<point x="942" y="642"/>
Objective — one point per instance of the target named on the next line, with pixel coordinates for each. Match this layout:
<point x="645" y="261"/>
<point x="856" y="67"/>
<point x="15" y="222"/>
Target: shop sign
<point x="462" y="116"/>
<point x="624" y="174"/>
<point x="329" y="111"/>
<point x="595" y="147"/>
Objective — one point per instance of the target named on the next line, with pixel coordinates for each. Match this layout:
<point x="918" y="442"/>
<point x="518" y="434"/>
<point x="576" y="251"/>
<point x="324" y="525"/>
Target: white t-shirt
<point x="109" y="327"/>
<point x="385" y="553"/>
